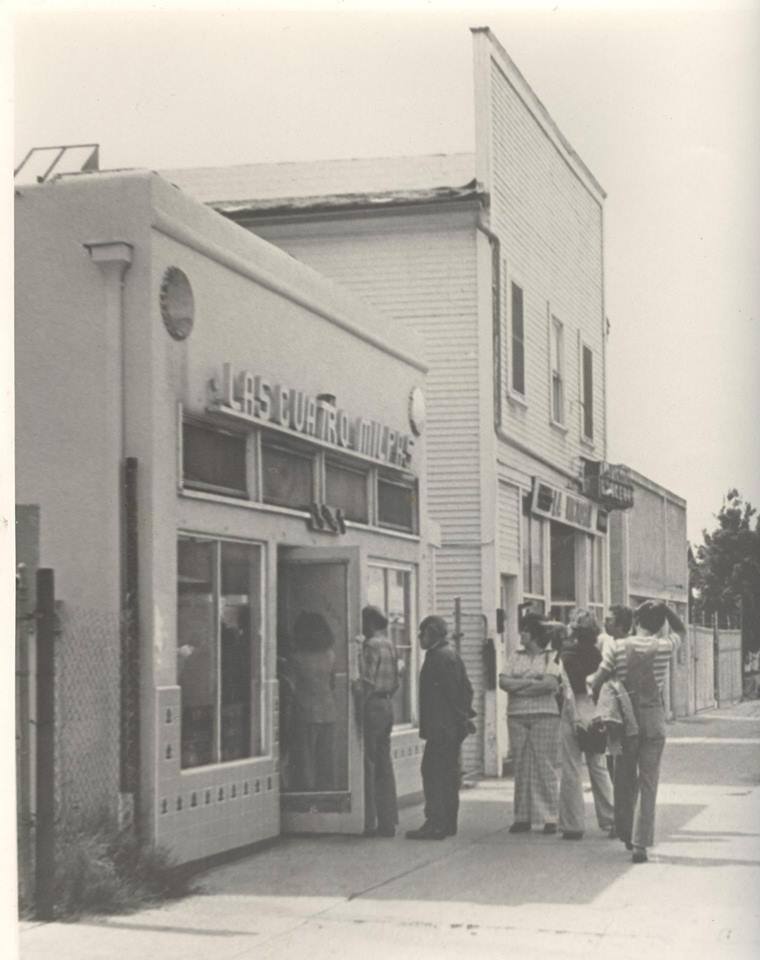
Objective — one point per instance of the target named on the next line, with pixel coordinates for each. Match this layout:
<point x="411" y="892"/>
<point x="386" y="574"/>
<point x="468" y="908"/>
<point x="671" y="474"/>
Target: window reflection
<point x="219" y="650"/>
<point x="390" y="589"/>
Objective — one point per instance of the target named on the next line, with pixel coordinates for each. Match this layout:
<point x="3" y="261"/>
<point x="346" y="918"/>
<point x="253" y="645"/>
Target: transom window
<point x="346" y="487"/>
<point x="396" y="503"/>
<point x="287" y="476"/>
<point x="214" y="459"/>
<point x="265" y="467"/>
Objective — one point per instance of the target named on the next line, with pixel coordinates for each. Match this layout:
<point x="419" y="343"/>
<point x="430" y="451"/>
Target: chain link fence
<point x="87" y="716"/>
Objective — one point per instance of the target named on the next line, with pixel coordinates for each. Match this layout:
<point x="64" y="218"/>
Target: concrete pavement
<point x="484" y="893"/>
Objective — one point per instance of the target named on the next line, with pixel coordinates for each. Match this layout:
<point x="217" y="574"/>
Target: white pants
<point x="572" y="814"/>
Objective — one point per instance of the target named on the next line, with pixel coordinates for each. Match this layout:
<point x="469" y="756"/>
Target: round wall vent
<point x="177" y="304"/>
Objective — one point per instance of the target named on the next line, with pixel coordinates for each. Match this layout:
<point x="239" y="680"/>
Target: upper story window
<point x="518" y="341"/>
<point x="287" y="476"/>
<point x="214" y="459"/>
<point x="587" y="391"/>
<point x="558" y="371"/>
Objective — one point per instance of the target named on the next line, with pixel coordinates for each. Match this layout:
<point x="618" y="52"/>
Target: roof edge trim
<point x="176" y="230"/>
<point x="351" y="201"/>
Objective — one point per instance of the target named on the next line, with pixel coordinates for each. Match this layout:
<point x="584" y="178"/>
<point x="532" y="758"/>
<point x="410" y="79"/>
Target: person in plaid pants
<point x="532" y="677"/>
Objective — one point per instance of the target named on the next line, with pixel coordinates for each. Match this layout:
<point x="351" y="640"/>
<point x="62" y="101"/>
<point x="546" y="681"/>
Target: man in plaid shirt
<point x="379" y="673"/>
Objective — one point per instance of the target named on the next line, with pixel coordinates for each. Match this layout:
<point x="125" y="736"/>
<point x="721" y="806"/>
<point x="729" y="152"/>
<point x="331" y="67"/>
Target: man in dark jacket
<point x="445" y="720"/>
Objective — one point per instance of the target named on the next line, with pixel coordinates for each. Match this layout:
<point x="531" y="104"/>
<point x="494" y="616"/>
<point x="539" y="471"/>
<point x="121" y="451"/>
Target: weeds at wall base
<point x="101" y="869"/>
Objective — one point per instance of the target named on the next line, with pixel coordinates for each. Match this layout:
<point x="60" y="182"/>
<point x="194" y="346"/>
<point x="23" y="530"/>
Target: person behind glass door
<point x="312" y="672"/>
<point x="379" y="679"/>
<point x="580" y="658"/>
<point x="640" y="662"/>
<point x="531" y="677"/>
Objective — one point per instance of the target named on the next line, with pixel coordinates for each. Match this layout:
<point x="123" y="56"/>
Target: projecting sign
<point x="253" y="397"/>
<point x="561" y="505"/>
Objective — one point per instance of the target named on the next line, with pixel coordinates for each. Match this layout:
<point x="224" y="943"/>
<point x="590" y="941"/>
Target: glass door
<point x="320" y="593"/>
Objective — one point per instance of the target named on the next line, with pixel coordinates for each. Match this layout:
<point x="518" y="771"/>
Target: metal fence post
<point x="130" y="655"/>
<point x="45" y="767"/>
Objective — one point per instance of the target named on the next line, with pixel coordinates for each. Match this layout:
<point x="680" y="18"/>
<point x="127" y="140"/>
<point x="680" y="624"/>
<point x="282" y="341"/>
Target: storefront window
<point x="562" y="546"/>
<point x="532" y="546"/>
<point x="286" y="476"/>
<point x="213" y="459"/>
<point x="391" y="589"/>
<point x="533" y="555"/>
<point x="219" y="650"/>
<point x="596" y="577"/>
<point x="347" y="488"/>
<point x="396" y="504"/>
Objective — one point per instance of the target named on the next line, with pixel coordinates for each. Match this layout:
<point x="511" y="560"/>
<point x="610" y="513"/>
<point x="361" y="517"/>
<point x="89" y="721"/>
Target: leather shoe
<point x="426" y="832"/>
<point x="572" y="834"/>
<point x="386" y="832"/>
<point x="550" y="828"/>
<point x="639" y="855"/>
<point x="519" y="826"/>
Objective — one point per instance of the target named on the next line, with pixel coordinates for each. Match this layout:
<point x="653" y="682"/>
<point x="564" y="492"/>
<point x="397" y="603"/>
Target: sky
<point x="662" y="102"/>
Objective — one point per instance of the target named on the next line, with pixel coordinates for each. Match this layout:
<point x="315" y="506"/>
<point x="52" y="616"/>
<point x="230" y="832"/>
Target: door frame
<point x="296" y="814"/>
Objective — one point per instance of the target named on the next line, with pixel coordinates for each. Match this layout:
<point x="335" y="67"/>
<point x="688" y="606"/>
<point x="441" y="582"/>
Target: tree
<point x="725" y="569"/>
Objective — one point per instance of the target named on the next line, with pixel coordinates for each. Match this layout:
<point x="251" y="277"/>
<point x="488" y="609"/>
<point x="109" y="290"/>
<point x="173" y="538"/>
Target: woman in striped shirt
<point x="640" y="662"/>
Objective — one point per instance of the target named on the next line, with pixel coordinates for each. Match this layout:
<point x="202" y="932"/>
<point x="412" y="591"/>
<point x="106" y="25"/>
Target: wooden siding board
<point x="425" y="277"/>
<point x="551" y="233"/>
<point x="509" y="532"/>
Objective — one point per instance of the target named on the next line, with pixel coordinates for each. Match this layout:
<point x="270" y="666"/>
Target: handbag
<point x="592" y="738"/>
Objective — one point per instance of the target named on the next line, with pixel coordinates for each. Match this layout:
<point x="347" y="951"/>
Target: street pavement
<point x="484" y="893"/>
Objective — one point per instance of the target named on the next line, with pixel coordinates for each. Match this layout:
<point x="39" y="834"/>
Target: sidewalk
<point x="484" y="893"/>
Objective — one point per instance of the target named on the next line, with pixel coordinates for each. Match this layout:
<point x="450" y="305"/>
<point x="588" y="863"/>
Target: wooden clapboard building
<point x="496" y="258"/>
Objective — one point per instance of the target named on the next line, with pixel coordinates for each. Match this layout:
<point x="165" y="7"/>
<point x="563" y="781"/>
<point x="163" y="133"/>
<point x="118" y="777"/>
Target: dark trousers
<point x="637" y="773"/>
<point x="379" y="782"/>
<point x="440" y="781"/>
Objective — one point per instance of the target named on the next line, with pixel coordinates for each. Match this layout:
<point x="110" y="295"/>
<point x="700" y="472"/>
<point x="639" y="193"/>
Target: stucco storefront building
<point x="216" y="440"/>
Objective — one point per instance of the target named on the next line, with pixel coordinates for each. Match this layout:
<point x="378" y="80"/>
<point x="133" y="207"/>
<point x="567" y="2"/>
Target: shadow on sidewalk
<point x="484" y="864"/>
